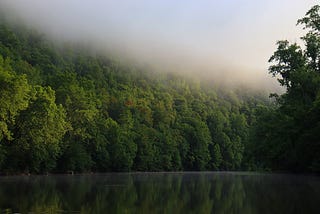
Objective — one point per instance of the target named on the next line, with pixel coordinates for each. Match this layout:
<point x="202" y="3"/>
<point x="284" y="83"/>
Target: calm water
<point x="161" y="193"/>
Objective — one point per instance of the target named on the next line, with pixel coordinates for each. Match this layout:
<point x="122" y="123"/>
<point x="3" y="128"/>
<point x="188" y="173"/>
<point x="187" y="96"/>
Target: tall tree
<point x="38" y="135"/>
<point x="288" y="137"/>
<point x="14" y="97"/>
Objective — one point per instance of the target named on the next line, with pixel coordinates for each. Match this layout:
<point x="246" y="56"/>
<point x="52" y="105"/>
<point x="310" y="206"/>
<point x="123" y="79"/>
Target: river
<point x="185" y="192"/>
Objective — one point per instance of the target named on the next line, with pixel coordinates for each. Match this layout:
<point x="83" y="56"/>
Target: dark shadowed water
<point x="203" y="192"/>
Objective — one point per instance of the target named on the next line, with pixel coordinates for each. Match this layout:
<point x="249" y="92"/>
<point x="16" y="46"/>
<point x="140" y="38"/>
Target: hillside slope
<point x="62" y="109"/>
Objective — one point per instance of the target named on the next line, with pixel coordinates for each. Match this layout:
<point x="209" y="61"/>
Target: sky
<point x="228" y="40"/>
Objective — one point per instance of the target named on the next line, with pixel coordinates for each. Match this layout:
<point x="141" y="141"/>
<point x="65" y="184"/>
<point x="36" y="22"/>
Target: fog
<point x="226" y="41"/>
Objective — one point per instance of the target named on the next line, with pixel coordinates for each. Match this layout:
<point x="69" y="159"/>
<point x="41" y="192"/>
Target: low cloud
<point x="227" y="42"/>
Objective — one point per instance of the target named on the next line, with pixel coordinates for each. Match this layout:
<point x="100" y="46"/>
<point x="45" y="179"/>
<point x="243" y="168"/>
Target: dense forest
<point x="63" y="108"/>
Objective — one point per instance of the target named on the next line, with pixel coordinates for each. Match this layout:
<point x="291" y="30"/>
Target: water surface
<point x="203" y="192"/>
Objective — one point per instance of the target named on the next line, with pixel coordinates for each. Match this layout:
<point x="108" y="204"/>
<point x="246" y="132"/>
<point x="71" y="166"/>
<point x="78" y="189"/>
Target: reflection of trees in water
<point x="24" y="194"/>
<point x="160" y="193"/>
<point x="228" y="194"/>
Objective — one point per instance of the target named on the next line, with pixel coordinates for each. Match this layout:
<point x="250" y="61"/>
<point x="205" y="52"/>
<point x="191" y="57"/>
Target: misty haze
<point x="159" y="106"/>
<point x="228" y="42"/>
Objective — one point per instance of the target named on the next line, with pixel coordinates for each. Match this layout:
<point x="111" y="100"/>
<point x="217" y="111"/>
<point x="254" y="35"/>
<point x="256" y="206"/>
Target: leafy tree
<point x="39" y="132"/>
<point x="287" y="137"/>
<point x="14" y="97"/>
<point x="197" y="135"/>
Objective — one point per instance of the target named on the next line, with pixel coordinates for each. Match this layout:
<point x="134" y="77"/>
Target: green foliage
<point x="197" y="134"/>
<point x="39" y="132"/>
<point x="14" y="97"/>
<point x="64" y="110"/>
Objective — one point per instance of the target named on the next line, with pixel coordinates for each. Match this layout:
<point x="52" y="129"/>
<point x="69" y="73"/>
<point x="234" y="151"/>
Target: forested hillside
<point x="63" y="109"/>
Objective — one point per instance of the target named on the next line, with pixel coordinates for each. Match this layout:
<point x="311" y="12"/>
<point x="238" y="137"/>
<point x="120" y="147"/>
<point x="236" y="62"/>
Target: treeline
<point x="62" y="109"/>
